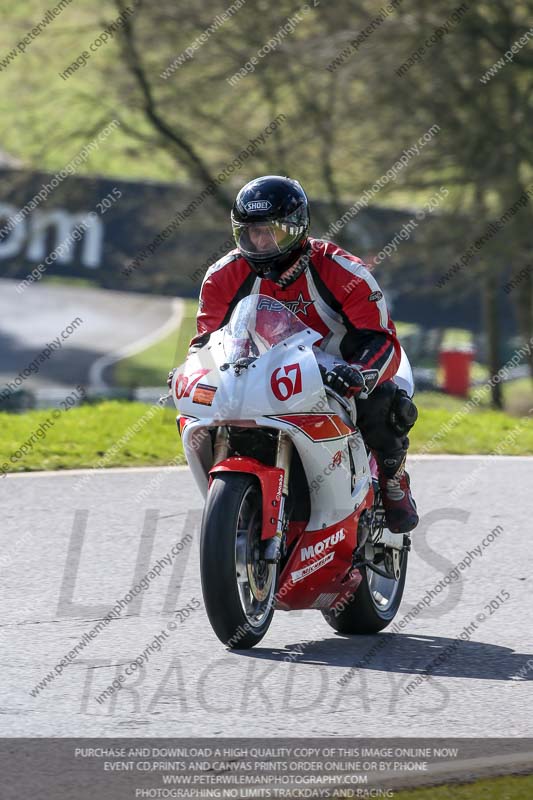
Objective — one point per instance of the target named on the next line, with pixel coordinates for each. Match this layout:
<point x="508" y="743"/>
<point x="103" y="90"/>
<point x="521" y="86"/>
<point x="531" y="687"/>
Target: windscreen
<point x="256" y="325"/>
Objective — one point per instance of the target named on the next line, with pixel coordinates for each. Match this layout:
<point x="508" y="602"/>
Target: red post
<point x="456" y="363"/>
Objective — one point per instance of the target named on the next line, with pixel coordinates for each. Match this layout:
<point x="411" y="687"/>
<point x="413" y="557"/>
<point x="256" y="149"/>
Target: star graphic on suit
<point x="298" y="306"/>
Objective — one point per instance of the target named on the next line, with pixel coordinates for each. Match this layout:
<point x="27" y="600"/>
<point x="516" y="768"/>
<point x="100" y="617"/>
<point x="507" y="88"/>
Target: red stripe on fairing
<point x="344" y="430"/>
<point x="183" y="421"/>
<point x="318" y="427"/>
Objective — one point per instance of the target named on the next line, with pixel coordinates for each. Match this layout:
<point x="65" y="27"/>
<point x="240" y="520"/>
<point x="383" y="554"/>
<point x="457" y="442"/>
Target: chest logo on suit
<point x="298" y="306"/>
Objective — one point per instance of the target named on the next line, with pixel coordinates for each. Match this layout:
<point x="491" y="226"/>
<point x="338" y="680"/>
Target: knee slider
<point x="403" y="414"/>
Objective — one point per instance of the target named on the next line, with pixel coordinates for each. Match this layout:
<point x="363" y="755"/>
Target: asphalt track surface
<point x="38" y="316"/>
<point x="71" y="544"/>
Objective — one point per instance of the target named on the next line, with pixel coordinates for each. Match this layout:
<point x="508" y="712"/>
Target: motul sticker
<point x="300" y="574"/>
<point x="319" y="547"/>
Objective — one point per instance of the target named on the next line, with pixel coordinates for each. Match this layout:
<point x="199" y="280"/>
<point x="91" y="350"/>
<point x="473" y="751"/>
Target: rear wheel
<point x="378" y="596"/>
<point x="374" y="606"/>
<point x="238" y="585"/>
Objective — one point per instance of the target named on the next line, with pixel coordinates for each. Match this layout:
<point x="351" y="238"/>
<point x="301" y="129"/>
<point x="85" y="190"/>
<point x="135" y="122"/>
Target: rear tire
<point x="238" y="588"/>
<point x="363" y="615"/>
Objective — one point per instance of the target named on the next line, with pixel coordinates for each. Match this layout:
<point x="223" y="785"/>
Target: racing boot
<point x="398" y="503"/>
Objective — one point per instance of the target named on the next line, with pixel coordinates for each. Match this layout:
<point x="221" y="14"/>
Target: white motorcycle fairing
<point x="281" y="389"/>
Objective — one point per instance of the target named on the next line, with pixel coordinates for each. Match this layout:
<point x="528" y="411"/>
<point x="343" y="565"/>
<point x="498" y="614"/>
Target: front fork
<point x="221" y="447"/>
<point x="283" y="461"/>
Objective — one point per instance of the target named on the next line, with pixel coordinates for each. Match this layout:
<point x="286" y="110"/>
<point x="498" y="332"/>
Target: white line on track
<point x="96" y="372"/>
<point x="65" y="472"/>
<point x="465" y="457"/>
<point x="61" y="473"/>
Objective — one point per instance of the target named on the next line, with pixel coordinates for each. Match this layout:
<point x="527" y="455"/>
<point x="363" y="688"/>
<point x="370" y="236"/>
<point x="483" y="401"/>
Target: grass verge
<point x="444" y="429"/>
<point x="513" y="787"/>
<point x="119" y="433"/>
<point x="125" y="434"/>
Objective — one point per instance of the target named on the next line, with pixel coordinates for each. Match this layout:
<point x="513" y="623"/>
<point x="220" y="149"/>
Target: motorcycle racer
<point x="334" y="293"/>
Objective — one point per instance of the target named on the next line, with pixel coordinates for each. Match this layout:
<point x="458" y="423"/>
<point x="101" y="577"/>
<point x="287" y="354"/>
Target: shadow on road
<point x="406" y="654"/>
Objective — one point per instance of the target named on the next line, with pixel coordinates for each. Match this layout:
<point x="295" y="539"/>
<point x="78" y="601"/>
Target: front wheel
<point x="238" y="586"/>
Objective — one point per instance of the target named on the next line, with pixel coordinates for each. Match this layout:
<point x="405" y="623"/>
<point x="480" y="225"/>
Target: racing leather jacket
<point x="336" y="295"/>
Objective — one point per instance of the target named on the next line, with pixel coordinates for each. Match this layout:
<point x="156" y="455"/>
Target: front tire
<point x="238" y="587"/>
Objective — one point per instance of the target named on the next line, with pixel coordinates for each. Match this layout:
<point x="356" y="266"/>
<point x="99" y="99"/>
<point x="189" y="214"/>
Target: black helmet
<point x="270" y="219"/>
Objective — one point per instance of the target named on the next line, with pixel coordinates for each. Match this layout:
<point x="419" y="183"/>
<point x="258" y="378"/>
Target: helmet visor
<point x="263" y="241"/>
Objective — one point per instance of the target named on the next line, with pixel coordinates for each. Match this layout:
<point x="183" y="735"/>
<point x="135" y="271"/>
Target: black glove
<point x="345" y="380"/>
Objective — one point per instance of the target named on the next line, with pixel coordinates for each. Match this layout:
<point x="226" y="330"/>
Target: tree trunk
<point x="524" y="309"/>
<point x="492" y="327"/>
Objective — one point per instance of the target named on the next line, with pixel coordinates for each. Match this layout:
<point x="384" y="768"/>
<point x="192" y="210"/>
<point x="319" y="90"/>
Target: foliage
<point x="357" y="86"/>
